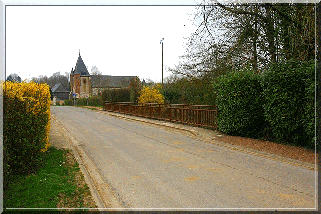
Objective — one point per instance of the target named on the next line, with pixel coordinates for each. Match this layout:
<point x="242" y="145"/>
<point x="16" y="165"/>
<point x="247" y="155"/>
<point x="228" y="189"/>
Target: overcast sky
<point x="119" y="40"/>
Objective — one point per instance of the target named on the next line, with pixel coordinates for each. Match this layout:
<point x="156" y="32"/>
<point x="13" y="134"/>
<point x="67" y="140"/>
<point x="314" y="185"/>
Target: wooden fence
<point x="197" y="115"/>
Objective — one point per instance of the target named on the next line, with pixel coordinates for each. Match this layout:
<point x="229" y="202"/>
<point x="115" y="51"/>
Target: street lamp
<point x="161" y="42"/>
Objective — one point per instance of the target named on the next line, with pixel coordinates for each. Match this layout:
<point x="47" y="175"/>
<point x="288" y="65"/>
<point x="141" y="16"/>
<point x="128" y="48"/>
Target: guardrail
<point x="197" y="115"/>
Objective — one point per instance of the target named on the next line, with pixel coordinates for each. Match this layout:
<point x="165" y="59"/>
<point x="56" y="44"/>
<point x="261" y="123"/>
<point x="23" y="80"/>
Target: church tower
<point x="80" y="79"/>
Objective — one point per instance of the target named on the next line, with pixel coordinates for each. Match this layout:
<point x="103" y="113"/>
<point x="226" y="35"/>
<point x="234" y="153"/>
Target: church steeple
<point x="81" y="67"/>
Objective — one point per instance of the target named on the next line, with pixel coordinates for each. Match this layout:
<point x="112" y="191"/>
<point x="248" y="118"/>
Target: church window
<point x="84" y="81"/>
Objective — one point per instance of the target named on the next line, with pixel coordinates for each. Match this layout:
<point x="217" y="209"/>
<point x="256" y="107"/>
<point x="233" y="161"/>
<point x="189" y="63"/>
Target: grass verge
<point x="58" y="184"/>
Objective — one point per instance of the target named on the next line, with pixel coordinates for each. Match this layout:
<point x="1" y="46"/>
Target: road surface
<point x="150" y="167"/>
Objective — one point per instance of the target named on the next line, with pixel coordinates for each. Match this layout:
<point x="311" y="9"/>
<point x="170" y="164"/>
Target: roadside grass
<point x="58" y="184"/>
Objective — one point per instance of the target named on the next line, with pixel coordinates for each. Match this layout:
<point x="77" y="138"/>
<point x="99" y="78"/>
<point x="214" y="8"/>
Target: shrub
<point x="69" y="102"/>
<point x="193" y="91"/>
<point x="171" y="94"/>
<point x="95" y="101"/>
<point x="308" y="118"/>
<point x="239" y="102"/>
<point x="116" y="95"/>
<point x="26" y="125"/>
<point x="81" y="102"/>
<point x="289" y="101"/>
<point x="151" y="95"/>
<point x="135" y="87"/>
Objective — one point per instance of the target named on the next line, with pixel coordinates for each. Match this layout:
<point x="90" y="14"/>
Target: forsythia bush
<point x="26" y="125"/>
<point x="151" y="95"/>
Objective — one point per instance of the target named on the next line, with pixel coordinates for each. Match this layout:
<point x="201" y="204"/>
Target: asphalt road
<point x="150" y="167"/>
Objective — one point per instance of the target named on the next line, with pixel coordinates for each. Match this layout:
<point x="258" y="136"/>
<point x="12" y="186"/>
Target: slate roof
<point x="107" y="81"/>
<point x="59" y="88"/>
<point x="80" y="67"/>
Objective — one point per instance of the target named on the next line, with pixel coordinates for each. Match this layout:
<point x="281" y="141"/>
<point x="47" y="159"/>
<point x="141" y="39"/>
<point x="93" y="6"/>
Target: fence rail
<point x="197" y="115"/>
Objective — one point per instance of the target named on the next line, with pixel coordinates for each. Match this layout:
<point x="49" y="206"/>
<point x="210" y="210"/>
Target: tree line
<point x="232" y="37"/>
<point x="238" y="35"/>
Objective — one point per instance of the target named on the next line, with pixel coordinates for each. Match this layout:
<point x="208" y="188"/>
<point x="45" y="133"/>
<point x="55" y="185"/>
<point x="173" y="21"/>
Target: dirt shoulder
<point x="293" y="152"/>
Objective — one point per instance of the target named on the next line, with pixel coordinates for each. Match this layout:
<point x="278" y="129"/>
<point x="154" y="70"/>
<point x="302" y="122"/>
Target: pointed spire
<point x="79" y="52"/>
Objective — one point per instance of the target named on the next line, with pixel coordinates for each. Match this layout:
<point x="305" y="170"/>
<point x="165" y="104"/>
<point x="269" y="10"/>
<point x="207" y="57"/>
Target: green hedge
<point x="90" y="101"/>
<point x="289" y="102"/>
<point x="239" y="102"/>
<point x="308" y="118"/>
<point x="117" y="95"/>
<point x="69" y="102"/>
<point x="193" y="91"/>
<point x="277" y="105"/>
<point x="171" y="94"/>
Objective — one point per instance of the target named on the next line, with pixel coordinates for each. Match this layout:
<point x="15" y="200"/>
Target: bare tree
<point x="52" y="80"/>
<point x="237" y="35"/>
<point x="95" y="71"/>
<point x="14" y="78"/>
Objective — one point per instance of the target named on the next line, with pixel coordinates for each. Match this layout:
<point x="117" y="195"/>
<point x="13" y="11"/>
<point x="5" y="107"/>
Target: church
<point x="83" y="84"/>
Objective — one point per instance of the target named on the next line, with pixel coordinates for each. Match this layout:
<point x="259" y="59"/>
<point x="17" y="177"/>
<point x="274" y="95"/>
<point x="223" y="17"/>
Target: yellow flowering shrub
<point x="151" y="95"/>
<point x="26" y="124"/>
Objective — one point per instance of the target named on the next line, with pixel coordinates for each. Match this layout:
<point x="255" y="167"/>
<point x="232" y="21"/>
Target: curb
<point x="102" y="195"/>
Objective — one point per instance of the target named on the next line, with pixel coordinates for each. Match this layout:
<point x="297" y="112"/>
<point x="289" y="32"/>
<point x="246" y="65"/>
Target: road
<point x="151" y="167"/>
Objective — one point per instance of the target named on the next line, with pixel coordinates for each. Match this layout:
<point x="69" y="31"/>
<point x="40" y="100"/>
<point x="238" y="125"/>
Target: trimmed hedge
<point x="69" y="102"/>
<point x="135" y="87"/>
<point x="277" y="105"/>
<point x="26" y="126"/>
<point x="193" y="91"/>
<point x="171" y="94"/>
<point x="308" y="118"/>
<point x="239" y="102"/>
<point x="90" y="101"/>
<point x="289" y="102"/>
<point x="117" y="95"/>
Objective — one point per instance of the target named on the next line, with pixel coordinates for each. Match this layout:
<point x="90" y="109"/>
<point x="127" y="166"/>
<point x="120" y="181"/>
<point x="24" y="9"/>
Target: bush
<point x="116" y="95"/>
<point x="69" y="102"/>
<point x="95" y="101"/>
<point x="239" y="102"/>
<point x="193" y="91"/>
<point x="26" y="126"/>
<point x="308" y="118"/>
<point x="171" y="94"/>
<point x="151" y="95"/>
<point x="289" y="102"/>
<point x="135" y="87"/>
<point x="81" y="102"/>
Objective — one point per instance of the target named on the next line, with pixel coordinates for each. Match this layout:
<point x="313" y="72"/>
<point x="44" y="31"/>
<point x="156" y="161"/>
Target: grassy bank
<point x="58" y="184"/>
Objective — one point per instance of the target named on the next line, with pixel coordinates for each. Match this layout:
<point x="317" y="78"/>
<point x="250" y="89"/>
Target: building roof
<point x="59" y="87"/>
<point x="80" y="68"/>
<point x="107" y="81"/>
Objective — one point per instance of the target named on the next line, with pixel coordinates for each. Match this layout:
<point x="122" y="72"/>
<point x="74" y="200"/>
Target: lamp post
<point x="161" y="42"/>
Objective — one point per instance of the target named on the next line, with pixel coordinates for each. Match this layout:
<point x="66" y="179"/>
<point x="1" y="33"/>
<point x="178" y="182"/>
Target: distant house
<point x="60" y="92"/>
<point x="84" y="85"/>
